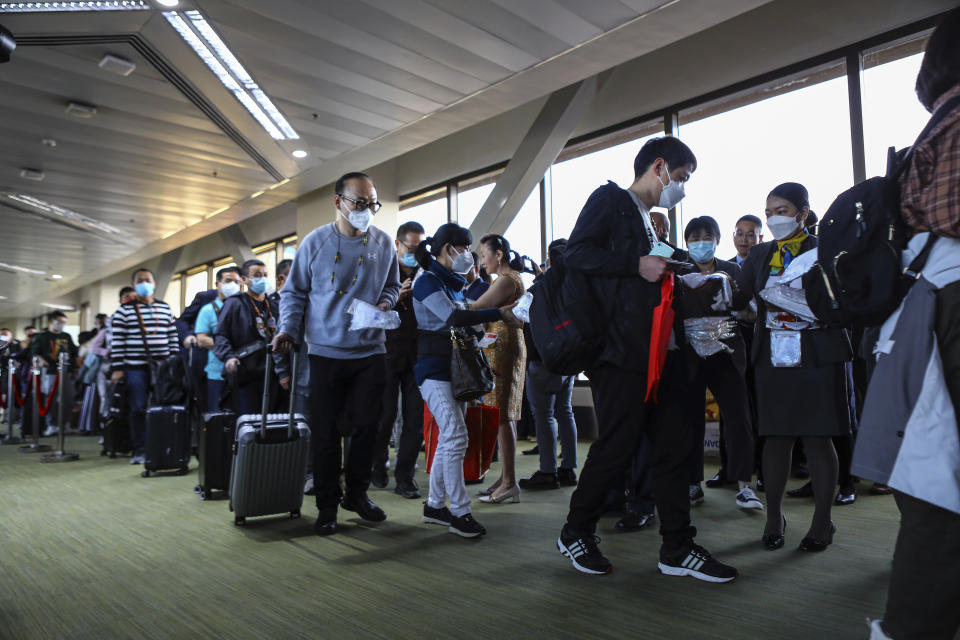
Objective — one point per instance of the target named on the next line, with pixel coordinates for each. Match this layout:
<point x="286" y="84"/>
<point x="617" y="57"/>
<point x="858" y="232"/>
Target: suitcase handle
<point x="266" y="391"/>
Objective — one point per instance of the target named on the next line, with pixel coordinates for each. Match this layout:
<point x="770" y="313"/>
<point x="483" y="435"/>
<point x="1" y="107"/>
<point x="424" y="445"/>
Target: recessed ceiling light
<point x="76" y="5"/>
<point x="56" y="276"/>
<point x="117" y="65"/>
<point x="299" y="153"/>
<point x="168" y="3"/>
<point x="64" y="215"/>
<point x="19" y="269"/>
<point x="32" y="174"/>
<point x="49" y="142"/>
<point x="61" y="307"/>
<point x="80" y="110"/>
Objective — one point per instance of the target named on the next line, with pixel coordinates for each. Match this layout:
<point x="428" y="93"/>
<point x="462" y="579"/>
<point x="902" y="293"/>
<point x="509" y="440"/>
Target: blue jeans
<point x="138" y="391"/>
<point x="553" y="416"/>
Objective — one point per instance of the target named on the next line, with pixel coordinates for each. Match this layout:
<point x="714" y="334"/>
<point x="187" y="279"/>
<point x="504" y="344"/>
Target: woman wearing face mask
<point x="722" y="372"/>
<point x="508" y="358"/>
<point x="796" y="360"/>
<point x="439" y="304"/>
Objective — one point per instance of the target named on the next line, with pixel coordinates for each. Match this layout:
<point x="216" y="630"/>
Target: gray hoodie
<point x="320" y="289"/>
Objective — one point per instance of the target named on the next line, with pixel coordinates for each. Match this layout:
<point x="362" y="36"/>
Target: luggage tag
<point x="662" y="250"/>
<point x="487" y="340"/>
<point x="785" y="349"/>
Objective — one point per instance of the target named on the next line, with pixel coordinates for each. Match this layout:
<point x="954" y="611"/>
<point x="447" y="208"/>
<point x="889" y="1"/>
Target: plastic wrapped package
<point x="367" y="316"/>
<point x="522" y="310"/>
<point x="706" y="335"/>
<point x="789" y="299"/>
<point x="798" y="266"/>
<point x="724" y="297"/>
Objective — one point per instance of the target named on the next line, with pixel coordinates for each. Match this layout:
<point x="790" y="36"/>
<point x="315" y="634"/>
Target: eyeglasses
<point x="408" y="247"/>
<point x="362" y="204"/>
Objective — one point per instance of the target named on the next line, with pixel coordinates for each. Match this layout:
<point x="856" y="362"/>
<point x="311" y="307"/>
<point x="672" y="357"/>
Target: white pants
<point x="446" y="476"/>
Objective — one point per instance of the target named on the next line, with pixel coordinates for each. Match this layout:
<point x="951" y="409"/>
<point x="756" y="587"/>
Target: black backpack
<point x="858" y="280"/>
<point x="565" y="324"/>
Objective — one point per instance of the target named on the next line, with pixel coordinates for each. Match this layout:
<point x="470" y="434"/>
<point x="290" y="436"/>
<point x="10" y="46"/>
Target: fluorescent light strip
<point x="19" y="269"/>
<point x="237" y="79"/>
<point x="67" y="214"/>
<point x="86" y="5"/>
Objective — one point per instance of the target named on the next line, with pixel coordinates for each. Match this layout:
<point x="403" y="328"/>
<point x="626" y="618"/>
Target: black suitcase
<point x="215" y="452"/>
<point x="167" y="440"/>
<point x="116" y="437"/>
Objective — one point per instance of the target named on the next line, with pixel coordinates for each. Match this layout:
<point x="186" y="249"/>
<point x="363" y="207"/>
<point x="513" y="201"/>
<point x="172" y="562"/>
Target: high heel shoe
<point x="510" y="495"/>
<point x="774" y="541"/>
<point x="489" y="491"/>
<point x="815" y="544"/>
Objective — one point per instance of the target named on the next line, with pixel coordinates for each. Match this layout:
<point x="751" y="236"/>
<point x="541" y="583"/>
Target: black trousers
<point x="640" y="485"/>
<point x="729" y="387"/>
<point x="400" y="383"/>
<point x="338" y="386"/>
<point x="623" y="417"/>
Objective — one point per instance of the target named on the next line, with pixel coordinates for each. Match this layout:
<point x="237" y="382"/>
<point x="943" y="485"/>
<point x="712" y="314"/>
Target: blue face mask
<point x="702" y="251"/>
<point x="144" y="289"/>
<point x="258" y="285"/>
<point x="409" y="260"/>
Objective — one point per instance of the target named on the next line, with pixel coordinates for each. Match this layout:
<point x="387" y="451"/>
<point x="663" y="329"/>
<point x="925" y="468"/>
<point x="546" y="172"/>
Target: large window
<point x="430" y="210"/>
<point x="196" y="282"/>
<point x="471" y="195"/>
<point x="173" y="294"/>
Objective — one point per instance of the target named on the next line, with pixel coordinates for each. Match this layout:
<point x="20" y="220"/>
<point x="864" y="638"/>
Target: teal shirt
<point x="207" y="323"/>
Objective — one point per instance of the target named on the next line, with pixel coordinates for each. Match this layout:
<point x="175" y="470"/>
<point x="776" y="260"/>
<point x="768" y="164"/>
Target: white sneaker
<point x="100" y="441"/>
<point x="747" y="499"/>
<point x="137" y="460"/>
<point x="51" y="431"/>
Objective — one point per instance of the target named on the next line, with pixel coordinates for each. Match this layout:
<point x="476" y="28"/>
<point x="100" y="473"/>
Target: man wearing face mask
<point x="228" y="285"/>
<point x="248" y="322"/>
<point x="401" y="381"/>
<point x="141" y="330"/>
<point x="616" y="246"/>
<point x="336" y="264"/>
<point x="49" y="345"/>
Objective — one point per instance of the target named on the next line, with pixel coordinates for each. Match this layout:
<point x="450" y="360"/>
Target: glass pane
<point x="469" y="203"/>
<point x="802" y="136"/>
<point x="196" y="283"/>
<point x="892" y="115"/>
<point x="523" y="234"/>
<point x="430" y="214"/>
<point x="573" y="180"/>
<point x="269" y="258"/>
<point x="172" y="296"/>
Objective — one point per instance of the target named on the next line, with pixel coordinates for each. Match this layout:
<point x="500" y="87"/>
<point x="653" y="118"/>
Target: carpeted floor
<point x="89" y="549"/>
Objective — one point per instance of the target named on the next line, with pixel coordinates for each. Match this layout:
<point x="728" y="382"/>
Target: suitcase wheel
<point x="203" y="494"/>
<point x="239" y="521"/>
<point x="113" y="455"/>
<point x="198" y="489"/>
<point x="182" y="471"/>
<point x="144" y="474"/>
<point x="295" y="514"/>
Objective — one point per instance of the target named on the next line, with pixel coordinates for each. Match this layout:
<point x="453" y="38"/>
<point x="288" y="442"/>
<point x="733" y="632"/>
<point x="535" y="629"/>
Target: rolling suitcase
<point x="215" y="451"/>
<point x="269" y="459"/>
<point x="167" y="440"/>
<point x="483" y="424"/>
<point x="116" y="429"/>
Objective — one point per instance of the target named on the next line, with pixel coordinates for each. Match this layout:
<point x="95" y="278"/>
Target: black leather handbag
<point x="253" y="362"/>
<point x="470" y="374"/>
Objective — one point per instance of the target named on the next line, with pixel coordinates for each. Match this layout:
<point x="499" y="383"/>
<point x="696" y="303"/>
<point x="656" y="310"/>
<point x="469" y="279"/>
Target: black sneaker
<point x="466" y="527"/>
<point x="696" y="495"/>
<point x="408" y="489"/>
<point x="379" y="478"/>
<point x="718" y="480"/>
<point x="567" y="477"/>
<point x="364" y="507"/>
<point x="635" y="521"/>
<point x="695" y="561"/>
<point x="583" y="553"/>
<point x="540" y="480"/>
<point x="532" y="452"/>
<point x="432" y="515"/>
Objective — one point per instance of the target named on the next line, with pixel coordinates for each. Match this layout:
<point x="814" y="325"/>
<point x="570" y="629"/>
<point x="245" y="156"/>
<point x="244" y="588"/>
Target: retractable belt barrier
<point x="35" y="446"/>
<point x="60" y="455"/>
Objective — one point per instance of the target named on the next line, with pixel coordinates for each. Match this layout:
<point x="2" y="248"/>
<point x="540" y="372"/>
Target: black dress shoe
<point x="846" y="495"/>
<point x="816" y="544"/>
<point x="326" y="523"/>
<point x="567" y="477"/>
<point x="535" y="451"/>
<point x="364" y="507"/>
<point x="408" y="490"/>
<point x="880" y="489"/>
<point x="806" y="491"/>
<point x="635" y="521"/>
<point x="774" y="541"/>
<point x="718" y="480"/>
<point x="379" y="478"/>
<point x="540" y="480"/>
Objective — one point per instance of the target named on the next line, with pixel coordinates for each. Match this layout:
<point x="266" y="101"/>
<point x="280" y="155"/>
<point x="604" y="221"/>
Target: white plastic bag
<point x="705" y="335"/>
<point x="789" y="299"/>
<point x="522" y="310"/>
<point x="724" y="297"/>
<point x="367" y="316"/>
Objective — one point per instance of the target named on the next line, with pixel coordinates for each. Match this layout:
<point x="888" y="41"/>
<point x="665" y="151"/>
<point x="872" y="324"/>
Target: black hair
<point x="703" y="223"/>
<point x="227" y="270"/>
<point x="672" y="150"/>
<point x="497" y="242"/>
<point x="27" y="328"/>
<point x="133" y="276"/>
<point x="283" y="267"/>
<point x="101" y="315"/>
<point x="353" y="175"/>
<point x="483" y="275"/>
<point x="245" y="269"/>
<point x="752" y="219"/>
<point x="555" y="250"/>
<point x="811" y="222"/>
<point x="476" y="260"/>
<point x="793" y="192"/>
<point x="125" y="290"/>
<point x="450" y="233"/>
<point x="5" y="329"/>
<point x="53" y="315"/>
<point x="940" y="69"/>
<point x="409" y="227"/>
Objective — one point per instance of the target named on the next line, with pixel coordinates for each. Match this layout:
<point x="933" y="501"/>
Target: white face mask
<point x="360" y="220"/>
<point x="462" y="263"/>
<point x="782" y="226"/>
<point x="230" y="289"/>
<point x="672" y="193"/>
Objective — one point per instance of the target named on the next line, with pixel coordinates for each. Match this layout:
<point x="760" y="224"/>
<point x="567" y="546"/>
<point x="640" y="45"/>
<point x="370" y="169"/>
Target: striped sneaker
<point x="696" y="562"/>
<point x="583" y="553"/>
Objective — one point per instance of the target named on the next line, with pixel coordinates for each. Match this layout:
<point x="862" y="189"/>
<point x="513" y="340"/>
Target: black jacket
<point x="606" y="244"/>
<point x="48" y="345"/>
<point x="237" y="326"/>
<point x="188" y="318"/>
<point x="402" y="342"/>
<point x="819" y="346"/>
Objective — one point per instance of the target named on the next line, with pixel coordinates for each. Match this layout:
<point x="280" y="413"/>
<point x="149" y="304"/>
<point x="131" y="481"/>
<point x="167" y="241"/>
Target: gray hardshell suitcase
<point x="269" y="460"/>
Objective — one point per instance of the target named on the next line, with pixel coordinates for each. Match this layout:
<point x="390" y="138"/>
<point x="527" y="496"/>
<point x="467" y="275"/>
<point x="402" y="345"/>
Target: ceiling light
<point x="81" y="110"/>
<point x="86" y="5"/>
<point x="3" y="297"/>
<point x="279" y="184"/>
<point x="64" y="216"/>
<point x="117" y="65"/>
<point x="237" y="80"/>
<point x="168" y="3"/>
<point x="49" y="142"/>
<point x="32" y="174"/>
<point x="56" y="276"/>
<point x="299" y="153"/>
<point x="60" y="307"/>
<point x="19" y="269"/>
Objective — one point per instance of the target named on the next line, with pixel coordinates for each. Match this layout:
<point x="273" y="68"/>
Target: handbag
<point x="253" y="361"/>
<point x="471" y="377"/>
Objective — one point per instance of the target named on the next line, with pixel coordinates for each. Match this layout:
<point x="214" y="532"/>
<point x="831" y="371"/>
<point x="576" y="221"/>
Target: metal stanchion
<point x="35" y="446"/>
<point x="11" y="403"/>
<point x="60" y="455"/>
